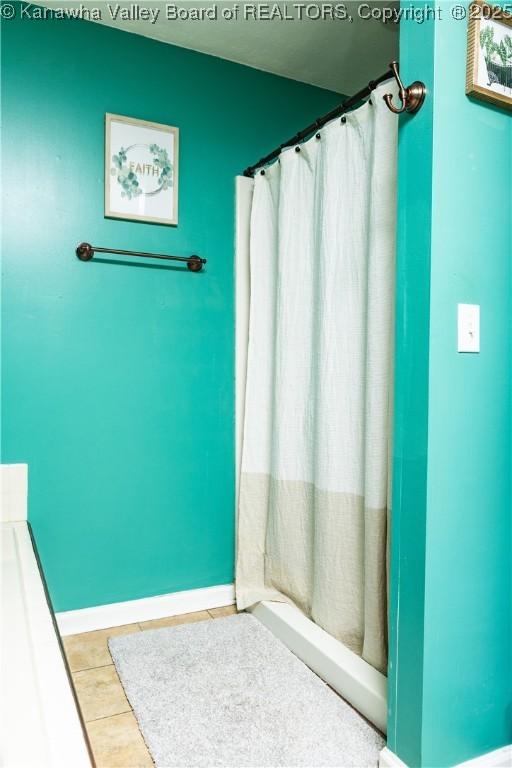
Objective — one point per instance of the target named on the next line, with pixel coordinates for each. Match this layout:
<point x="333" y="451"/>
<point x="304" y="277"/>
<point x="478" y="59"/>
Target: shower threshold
<point x="352" y="677"/>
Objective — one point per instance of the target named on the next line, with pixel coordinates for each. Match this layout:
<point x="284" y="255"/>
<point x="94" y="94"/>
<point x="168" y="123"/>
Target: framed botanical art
<point x="489" y="63"/>
<point x="141" y="170"/>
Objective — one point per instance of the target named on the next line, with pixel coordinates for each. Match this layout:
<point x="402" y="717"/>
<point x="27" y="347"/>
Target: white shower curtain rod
<point x="411" y="97"/>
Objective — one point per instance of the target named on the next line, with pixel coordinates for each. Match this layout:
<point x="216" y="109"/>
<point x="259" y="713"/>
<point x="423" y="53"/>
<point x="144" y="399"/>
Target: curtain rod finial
<point x="85" y="252"/>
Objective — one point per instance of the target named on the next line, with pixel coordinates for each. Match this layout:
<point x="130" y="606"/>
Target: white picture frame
<point x="141" y="170"/>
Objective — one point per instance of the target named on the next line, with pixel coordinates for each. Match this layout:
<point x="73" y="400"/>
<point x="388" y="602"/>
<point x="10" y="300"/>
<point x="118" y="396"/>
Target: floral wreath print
<point x="129" y="180"/>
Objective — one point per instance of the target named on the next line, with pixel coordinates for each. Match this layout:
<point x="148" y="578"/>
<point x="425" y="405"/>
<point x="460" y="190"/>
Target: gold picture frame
<point x="141" y="170"/>
<point x="489" y="58"/>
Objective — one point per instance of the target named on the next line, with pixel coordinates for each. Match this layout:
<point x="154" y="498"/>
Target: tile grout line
<point x="90" y="669"/>
<point x="107" y="717"/>
<point x="115" y="714"/>
<point x="210" y="616"/>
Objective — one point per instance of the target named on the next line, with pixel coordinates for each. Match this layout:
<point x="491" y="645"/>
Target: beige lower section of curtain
<point x="323" y="551"/>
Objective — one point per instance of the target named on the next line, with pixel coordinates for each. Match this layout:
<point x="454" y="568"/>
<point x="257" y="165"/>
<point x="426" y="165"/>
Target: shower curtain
<point x="314" y="485"/>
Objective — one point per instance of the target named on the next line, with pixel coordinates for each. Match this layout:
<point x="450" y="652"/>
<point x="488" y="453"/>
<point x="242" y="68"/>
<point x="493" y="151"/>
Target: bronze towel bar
<point x="85" y="252"/>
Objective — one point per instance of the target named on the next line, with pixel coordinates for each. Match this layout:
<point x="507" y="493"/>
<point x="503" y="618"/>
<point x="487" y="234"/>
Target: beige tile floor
<point x="115" y="739"/>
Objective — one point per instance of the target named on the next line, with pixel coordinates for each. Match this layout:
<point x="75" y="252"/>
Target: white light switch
<point x="468" y="328"/>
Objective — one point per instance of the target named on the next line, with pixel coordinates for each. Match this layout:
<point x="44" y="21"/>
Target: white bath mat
<point x="226" y="693"/>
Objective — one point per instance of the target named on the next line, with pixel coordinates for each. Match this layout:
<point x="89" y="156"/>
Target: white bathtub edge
<point x="13" y="492"/>
<point x="56" y="738"/>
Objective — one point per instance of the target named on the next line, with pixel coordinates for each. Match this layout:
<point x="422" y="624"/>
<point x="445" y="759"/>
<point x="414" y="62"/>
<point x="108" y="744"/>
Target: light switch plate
<point x="468" y="328"/>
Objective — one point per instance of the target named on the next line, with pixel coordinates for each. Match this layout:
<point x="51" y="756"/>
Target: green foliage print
<point x="129" y="180"/>
<point x="492" y="49"/>
<point x="161" y="159"/>
<point x="126" y="178"/>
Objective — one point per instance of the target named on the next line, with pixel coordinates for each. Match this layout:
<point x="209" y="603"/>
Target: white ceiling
<point x="340" y="55"/>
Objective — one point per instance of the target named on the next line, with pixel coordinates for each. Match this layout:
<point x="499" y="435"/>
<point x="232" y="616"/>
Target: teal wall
<point x="118" y="378"/>
<point x="451" y="657"/>
<point x="410" y="441"/>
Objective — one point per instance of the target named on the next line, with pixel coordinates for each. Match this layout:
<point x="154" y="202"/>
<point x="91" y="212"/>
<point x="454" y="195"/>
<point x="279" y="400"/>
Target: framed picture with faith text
<point x="489" y="62"/>
<point x="141" y="170"/>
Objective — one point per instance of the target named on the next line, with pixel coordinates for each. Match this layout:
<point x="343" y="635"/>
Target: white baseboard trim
<point x="498" y="758"/>
<point x="388" y="759"/>
<point x="146" y="609"/>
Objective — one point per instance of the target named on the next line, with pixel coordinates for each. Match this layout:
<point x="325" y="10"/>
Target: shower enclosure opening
<point x="315" y="273"/>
